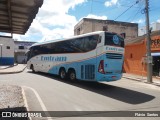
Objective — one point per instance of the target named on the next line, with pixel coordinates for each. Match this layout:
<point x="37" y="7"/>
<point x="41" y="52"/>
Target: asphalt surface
<point x="48" y="92"/>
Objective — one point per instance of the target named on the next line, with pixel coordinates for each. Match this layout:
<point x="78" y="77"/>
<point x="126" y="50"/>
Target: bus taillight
<point x="101" y="67"/>
<point x="113" y="77"/>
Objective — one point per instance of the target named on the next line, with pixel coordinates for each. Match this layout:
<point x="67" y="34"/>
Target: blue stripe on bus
<point x="98" y="76"/>
<point x="6" y="60"/>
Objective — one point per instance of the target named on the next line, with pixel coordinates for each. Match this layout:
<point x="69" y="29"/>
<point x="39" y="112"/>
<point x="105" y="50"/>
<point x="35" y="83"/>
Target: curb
<point x="13" y="72"/>
<point x="10" y="66"/>
<point x="136" y="79"/>
<point x="141" y="80"/>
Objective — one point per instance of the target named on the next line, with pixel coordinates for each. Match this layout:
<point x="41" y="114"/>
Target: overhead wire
<point x="132" y="17"/>
<point x="129" y="7"/>
<point x="102" y="2"/>
<point x="91" y="7"/>
<point x="137" y="1"/>
<point x="136" y="15"/>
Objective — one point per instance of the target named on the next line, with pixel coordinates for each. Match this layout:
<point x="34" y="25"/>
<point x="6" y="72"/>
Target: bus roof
<point x="77" y="36"/>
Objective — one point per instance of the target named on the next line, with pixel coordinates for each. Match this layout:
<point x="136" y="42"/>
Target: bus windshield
<point x="113" y="40"/>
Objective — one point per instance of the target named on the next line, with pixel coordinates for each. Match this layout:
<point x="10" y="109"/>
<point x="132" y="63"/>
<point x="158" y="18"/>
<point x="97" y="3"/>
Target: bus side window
<point x="77" y="45"/>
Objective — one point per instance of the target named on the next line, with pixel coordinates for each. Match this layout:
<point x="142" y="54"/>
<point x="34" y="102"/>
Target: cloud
<point x="53" y="21"/>
<point x="41" y="28"/>
<point x="158" y="21"/>
<point x="111" y="3"/>
<point x="60" y="6"/>
<point x="5" y="34"/>
<point x="140" y="21"/>
<point x="96" y="17"/>
<point x="63" y="20"/>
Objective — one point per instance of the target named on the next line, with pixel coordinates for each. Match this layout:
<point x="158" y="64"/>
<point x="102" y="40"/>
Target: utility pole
<point x="148" y="47"/>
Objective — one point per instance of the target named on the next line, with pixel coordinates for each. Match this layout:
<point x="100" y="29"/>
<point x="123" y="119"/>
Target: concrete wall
<point x="134" y="62"/>
<point x="91" y="25"/>
<point x="6" y="51"/>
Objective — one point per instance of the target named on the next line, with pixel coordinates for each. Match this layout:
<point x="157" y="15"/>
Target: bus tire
<point x="62" y="73"/>
<point x="32" y="68"/>
<point x="72" y="75"/>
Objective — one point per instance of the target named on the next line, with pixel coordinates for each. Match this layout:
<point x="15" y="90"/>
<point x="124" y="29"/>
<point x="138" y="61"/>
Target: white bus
<point x="96" y="56"/>
<point x="6" y="51"/>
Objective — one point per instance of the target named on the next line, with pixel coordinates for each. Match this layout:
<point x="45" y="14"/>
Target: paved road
<point x="58" y="95"/>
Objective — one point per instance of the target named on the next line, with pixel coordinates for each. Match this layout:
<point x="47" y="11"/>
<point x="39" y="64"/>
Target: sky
<point x="56" y="18"/>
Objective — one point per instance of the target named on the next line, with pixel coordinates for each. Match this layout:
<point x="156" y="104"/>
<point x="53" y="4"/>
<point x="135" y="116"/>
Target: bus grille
<point x="113" y="56"/>
<point x="88" y="71"/>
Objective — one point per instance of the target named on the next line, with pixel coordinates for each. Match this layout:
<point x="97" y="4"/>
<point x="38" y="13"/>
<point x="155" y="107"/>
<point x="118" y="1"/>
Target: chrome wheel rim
<point x="72" y="76"/>
<point x="63" y="74"/>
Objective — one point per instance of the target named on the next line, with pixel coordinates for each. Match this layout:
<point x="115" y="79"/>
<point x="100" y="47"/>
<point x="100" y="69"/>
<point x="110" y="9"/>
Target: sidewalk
<point x="12" y="69"/>
<point x="12" y="100"/>
<point x="155" y="80"/>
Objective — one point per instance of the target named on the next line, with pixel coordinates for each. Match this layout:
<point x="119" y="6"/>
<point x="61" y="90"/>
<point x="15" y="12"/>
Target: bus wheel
<point x="72" y="75"/>
<point x="32" y="68"/>
<point x="62" y="73"/>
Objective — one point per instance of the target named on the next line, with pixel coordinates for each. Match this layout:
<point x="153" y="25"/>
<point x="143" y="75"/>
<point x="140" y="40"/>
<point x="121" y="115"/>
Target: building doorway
<point x="156" y="65"/>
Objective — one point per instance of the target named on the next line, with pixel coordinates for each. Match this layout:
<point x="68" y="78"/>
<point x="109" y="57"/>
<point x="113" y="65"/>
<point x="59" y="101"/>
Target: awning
<point x="155" y="54"/>
<point x="16" y="16"/>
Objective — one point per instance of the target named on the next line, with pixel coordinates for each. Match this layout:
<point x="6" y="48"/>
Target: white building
<point x="21" y="47"/>
<point x="6" y="51"/>
<point x="154" y="27"/>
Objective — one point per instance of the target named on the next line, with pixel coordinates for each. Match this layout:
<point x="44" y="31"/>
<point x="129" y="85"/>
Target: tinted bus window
<point x="113" y="40"/>
<point x="76" y="45"/>
<point x="90" y="42"/>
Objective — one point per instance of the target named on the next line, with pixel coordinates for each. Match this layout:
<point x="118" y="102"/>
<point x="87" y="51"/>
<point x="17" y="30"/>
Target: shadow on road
<point x="115" y="92"/>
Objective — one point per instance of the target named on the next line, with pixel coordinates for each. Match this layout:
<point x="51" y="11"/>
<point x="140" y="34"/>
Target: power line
<point x="129" y="6"/>
<point x="135" y="16"/>
<point x="131" y="18"/>
<point x="91" y="7"/>
<point x="102" y="2"/>
<point x="127" y="9"/>
<point x="129" y="3"/>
